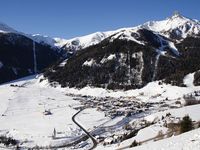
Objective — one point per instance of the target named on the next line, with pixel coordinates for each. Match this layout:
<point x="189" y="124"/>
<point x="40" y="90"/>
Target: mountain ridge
<point x="177" y="27"/>
<point x="176" y="21"/>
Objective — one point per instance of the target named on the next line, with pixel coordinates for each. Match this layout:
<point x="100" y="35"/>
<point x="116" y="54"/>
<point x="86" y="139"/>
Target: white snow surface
<point x="189" y="79"/>
<point x="173" y="48"/>
<point x="110" y="57"/>
<point x="89" y="62"/>
<point x="152" y="131"/>
<point x="177" y="21"/>
<point x="88" y="40"/>
<point x="22" y="113"/>
<point x="149" y="132"/>
<point x="144" y="134"/>
<point x="187" y="141"/>
<point x="23" y="109"/>
<point x="85" y="118"/>
<point x="192" y="111"/>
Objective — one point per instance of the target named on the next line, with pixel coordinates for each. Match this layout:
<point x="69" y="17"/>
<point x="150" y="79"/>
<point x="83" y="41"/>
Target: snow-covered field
<point x="23" y="108"/>
<point x="25" y="105"/>
<point x="22" y="111"/>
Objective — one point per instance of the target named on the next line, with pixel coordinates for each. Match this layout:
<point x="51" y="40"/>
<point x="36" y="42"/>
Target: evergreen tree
<point x="135" y="143"/>
<point x="186" y="124"/>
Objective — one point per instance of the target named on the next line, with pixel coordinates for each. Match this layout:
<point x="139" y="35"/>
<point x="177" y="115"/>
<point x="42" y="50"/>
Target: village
<point x="124" y="106"/>
<point x="130" y="107"/>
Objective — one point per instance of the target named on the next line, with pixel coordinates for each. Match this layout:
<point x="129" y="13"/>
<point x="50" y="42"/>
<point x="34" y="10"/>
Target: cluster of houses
<point x="113" y="107"/>
<point x="123" y="106"/>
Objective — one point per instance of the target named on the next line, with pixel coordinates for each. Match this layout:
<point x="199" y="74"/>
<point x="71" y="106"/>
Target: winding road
<point x="87" y="133"/>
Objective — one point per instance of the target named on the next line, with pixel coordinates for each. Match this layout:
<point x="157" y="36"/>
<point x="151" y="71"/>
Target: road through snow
<point x="87" y="133"/>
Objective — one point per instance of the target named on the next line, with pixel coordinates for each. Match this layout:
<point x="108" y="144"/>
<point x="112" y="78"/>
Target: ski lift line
<point x="34" y="58"/>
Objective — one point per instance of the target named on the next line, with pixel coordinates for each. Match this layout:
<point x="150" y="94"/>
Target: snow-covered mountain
<point x="85" y="41"/>
<point x="175" y="27"/>
<point x="162" y="36"/>
<point x="155" y="50"/>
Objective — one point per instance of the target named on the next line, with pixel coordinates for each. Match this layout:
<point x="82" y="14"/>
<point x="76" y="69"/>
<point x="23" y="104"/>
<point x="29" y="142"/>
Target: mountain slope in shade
<point x="17" y="55"/>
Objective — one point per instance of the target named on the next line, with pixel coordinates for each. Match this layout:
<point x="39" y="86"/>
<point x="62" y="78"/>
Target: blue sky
<point x="71" y="18"/>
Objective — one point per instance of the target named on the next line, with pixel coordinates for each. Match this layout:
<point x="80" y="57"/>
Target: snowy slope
<point x="171" y="143"/>
<point x="76" y="43"/>
<point x="23" y="116"/>
<point x="150" y="90"/>
<point x="22" y="113"/>
<point x="186" y="141"/>
<point x="189" y="79"/>
<point x="181" y="25"/>
<point x="86" y="41"/>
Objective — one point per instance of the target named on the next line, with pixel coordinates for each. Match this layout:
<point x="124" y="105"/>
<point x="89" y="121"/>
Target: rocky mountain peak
<point x="177" y="14"/>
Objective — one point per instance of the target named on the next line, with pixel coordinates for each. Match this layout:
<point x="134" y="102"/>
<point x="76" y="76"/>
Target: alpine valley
<point x="136" y="88"/>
